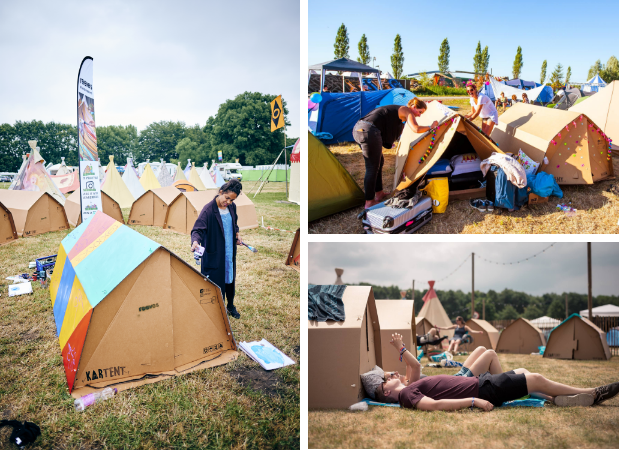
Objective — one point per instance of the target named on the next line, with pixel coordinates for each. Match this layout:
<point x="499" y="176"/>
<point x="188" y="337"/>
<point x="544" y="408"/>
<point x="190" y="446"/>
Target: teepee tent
<point x="603" y="109"/>
<point x="577" y="338"/>
<point x="595" y="84"/>
<point x="130" y="312"/>
<point x="179" y="175"/>
<point x="132" y="181"/>
<point x="331" y="189"/>
<point x="207" y="179"/>
<point x="488" y="339"/>
<point x="8" y="232"/>
<point x="187" y="168"/>
<point x="194" y="178"/>
<point x="115" y="187"/>
<point x="32" y="176"/>
<point x="294" y="259"/>
<point x="433" y="310"/>
<point x="152" y="207"/>
<point x="219" y="180"/>
<point x="294" y="192"/>
<point x="74" y="213"/>
<point x="574" y="145"/>
<point x="396" y="316"/>
<point x="58" y="169"/>
<point x="149" y="180"/>
<point x="520" y="337"/>
<point x="34" y="212"/>
<point x="165" y="177"/>
<point x="68" y="182"/>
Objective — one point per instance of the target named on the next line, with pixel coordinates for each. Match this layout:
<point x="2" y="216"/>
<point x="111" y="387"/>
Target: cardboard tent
<point x="68" y="182"/>
<point x="339" y="352"/>
<point x="576" y="151"/>
<point x="148" y="179"/>
<point x="396" y="316"/>
<point x="152" y="207"/>
<point x="184" y="186"/>
<point x="132" y="181"/>
<point x="8" y="232"/>
<point x="294" y="255"/>
<point x="294" y="192"/>
<point x="577" y="338"/>
<point x="116" y="326"/>
<point x="34" y="212"/>
<point x="603" y="109"/>
<point x="115" y="187"/>
<point x="194" y="178"/>
<point x="74" y="213"/>
<point x="489" y="339"/>
<point x="32" y="176"/>
<point x="207" y="179"/>
<point x="179" y="175"/>
<point x="455" y="135"/>
<point x="433" y="310"/>
<point x="521" y="337"/>
<point x="422" y="325"/>
<point x="331" y="189"/>
<point x="165" y="177"/>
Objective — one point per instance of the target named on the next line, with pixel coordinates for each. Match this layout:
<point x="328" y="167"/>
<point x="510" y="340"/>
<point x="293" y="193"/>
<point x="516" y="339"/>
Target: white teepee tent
<point x="207" y="179"/>
<point x="130" y="177"/>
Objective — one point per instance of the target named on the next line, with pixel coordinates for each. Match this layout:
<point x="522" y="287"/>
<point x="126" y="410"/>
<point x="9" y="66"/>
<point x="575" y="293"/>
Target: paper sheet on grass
<point x="20" y="289"/>
<point x="265" y="354"/>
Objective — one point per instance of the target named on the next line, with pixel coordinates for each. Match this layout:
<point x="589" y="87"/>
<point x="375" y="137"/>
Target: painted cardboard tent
<point x="433" y="310"/>
<point x="116" y="327"/>
<point x="294" y="255"/>
<point x="334" y="370"/>
<point x="33" y="177"/>
<point x="603" y="109"/>
<point x="576" y="150"/>
<point x="148" y="179"/>
<point x="577" y="338"/>
<point x="194" y="178"/>
<point x="488" y="339"/>
<point x="115" y="187"/>
<point x="152" y="207"/>
<point x="521" y="337"/>
<point x="164" y="177"/>
<point x="395" y="316"/>
<point x="74" y="212"/>
<point x="132" y="181"/>
<point x="34" y="212"/>
<point x="8" y="232"/>
<point x="294" y="192"/>
<point x="68" y="182"/>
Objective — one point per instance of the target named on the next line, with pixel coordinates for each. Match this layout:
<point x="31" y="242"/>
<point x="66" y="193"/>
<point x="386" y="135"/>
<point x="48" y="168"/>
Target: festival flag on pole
<point x="277" y="113"/>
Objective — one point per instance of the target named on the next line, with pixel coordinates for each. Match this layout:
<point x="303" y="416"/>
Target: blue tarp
<point x="612" y="337"/>
<point x="546" y="95"/>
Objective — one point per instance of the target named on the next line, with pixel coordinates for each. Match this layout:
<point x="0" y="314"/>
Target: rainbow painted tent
<point x="130" y="312"/>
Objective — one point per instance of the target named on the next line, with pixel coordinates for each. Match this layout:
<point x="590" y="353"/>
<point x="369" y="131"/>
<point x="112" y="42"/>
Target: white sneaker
<point x="574" y="400"/>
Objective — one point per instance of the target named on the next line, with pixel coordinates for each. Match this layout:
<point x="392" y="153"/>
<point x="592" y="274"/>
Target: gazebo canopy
<point x="344" y="65"/>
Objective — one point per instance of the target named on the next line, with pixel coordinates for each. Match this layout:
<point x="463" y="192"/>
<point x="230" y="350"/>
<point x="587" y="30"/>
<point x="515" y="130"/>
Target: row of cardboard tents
<point x="340" y="351"/>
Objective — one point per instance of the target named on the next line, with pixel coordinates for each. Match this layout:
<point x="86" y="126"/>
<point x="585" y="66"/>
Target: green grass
<point x="440" y="91"/>
<point x="212" y="408"/>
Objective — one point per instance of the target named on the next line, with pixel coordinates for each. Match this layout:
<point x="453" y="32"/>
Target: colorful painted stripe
<point x="72" y="351"/>
<point x="96" y="227"/>
<point x="64" y="292"/>
<point x="56" y="276"/>
<point x="94" y="244"/>
<point x="75" y="235"/>
<point x="77" y="308"/>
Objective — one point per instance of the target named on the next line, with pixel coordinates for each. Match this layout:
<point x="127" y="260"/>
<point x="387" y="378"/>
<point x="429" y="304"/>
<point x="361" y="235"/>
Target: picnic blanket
<point x="524" y="401"/>
<point x="325" y="302"/>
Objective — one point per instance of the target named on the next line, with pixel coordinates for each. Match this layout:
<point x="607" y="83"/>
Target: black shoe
<point x="233" y="312"/>
<point x="605" y="392"/>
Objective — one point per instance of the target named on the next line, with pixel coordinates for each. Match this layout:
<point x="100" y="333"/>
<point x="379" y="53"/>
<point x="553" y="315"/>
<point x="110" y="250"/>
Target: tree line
<point x="240" y="129"/>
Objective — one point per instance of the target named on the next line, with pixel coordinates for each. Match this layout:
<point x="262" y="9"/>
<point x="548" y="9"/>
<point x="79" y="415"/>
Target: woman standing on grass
<point x="377" y="130"/>
<point x="216" y="229"/>
<point x="482" y="106"/>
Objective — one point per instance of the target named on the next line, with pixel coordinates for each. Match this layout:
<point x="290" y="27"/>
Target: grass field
<point x="238" y="405"/>
<point x="598" y="210"/>
<point x="548" y="427"/>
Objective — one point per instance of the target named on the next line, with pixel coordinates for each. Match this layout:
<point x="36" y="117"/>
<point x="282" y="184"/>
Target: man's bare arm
<point x="429" y="404"/>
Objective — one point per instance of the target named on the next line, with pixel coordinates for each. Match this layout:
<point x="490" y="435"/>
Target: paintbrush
<point x="253" y="249"/>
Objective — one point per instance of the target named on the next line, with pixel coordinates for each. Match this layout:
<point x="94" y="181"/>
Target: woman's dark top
<point x="387" y="120"/>
<point x="460" y="332"/>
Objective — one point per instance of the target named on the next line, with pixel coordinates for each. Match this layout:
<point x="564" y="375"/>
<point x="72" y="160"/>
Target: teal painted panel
<point x="74" y="236"/>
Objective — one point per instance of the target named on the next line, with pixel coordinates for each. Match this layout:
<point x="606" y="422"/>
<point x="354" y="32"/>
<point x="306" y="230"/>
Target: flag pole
<point x="285" y="159"/>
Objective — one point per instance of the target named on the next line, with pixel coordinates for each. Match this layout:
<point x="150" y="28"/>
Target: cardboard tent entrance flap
<point x="130" y="312"/>
<point x="34" y="212"/>
<point x="294" y="255"/>
<point x="520" y="337"/>
<point x="577" y="338"/>
<point x="488" y="339"/>
<point x="8" y="232"/>
<point x="74" y="213"/>
<point x="152" y="206"/>
<point x="396" y="316"/>
<point x="339" y="352"/>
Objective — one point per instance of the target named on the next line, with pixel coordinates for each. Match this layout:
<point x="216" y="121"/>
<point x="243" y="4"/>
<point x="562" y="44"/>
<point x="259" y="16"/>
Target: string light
<point x="455" y="270"/>
<point x="514" y="262"/>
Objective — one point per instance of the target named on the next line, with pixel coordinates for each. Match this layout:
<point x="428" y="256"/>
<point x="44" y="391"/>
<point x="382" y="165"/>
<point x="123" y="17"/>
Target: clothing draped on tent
<point x="325" y="303"/>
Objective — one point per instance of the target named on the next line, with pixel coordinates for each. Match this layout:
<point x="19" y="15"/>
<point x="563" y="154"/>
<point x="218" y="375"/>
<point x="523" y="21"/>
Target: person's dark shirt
<point x="387" y="120"/>
<point x="438" y="387"/>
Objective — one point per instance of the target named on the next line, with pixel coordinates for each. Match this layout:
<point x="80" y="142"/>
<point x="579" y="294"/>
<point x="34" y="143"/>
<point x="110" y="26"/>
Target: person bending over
<point x="482" y="106"/>
<point x="461" y="330"/>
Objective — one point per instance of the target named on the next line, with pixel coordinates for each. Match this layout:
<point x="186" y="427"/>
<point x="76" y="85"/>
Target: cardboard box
<point x="396" y="316"/>
<point x="340" y="351"/>
<point x="467" y="194"/>
<point x="536" y="199"/>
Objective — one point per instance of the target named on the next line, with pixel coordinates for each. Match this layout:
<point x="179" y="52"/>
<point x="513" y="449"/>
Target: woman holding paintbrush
<point x="217" y="231"/>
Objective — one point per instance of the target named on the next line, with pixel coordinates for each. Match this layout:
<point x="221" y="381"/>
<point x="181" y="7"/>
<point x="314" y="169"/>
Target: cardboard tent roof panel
<point x="74" y="213"/>
<point x="396" y="316"/>
<point x="576" y="151"/>
<point x="294" y="255"/>
<point x="603" y="109"/>
<point x="148" y="179"/>
<point x="194" y="178"/>
<point x="521" y="337"/>
<point x="34" y="212"/>
<point x="68" y="182"/>
<point x="8" y="232"/>
<point x="577" y="338"/>
<point x="33" y="177"/>
<point x="116" y="327"/>
<point x="433" y="310"/>
<point x="339" y="352"/>
<point x="151" y="208"/>
<point x="489" y="339"/>
<point x="412" y="146"/>
<point x="115" y="187"/>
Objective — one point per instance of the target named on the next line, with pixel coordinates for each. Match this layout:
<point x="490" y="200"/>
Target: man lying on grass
<point x="447" y="392"/>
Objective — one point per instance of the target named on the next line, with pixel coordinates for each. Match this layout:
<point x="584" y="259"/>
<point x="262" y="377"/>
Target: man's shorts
<point x="503" y="387"/>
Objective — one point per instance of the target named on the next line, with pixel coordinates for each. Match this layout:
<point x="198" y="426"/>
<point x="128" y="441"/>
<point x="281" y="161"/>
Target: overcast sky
<point x="153" y="60"/>
<point x="561" y="268"/>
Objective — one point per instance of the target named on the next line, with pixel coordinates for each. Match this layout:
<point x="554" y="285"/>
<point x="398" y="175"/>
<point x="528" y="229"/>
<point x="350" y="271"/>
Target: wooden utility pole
<point x="413" y="294"/>
<point x="589" y="271"/>
<point x="473" y="285"/>
<point x="566" y="315"/>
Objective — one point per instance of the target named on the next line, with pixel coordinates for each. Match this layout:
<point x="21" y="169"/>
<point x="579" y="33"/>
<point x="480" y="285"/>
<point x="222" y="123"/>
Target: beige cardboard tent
<point x="396" y="316"/>
<point x="74" y="214"/>
<point x="194" y="178"/>
<point x="115" y="187"/>
<point x="520" y="337"/>
<point x="422" y="325"/>
<point x="152" y="207"/>
<point x="294" y="256"/>
<point x="576" y="152"/>
<point x="433" y="310"/>
<point x="577" y="338"/>
<point x="490" y="337"/>
<point x="148" y="180"/>
<point x="339" y="352"/>
<point x="603" y="109"/>
<point x="8" y="233"/>
<point x="34" y="212"/>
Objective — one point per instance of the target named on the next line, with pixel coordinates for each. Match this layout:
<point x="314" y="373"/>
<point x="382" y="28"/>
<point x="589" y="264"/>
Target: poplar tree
<point x="364" y="51"/>
<point x="568" y="75"/>
<point x="341" y="43"/>
<point x="517" y="63"/>
<point x="443" y="57"/>
<point x="485" y="58"/>
<point x="478" y="59"/>
<point x="397" y="58"/>
<point x="595" y="69"/>
<point x="543" y="74"/>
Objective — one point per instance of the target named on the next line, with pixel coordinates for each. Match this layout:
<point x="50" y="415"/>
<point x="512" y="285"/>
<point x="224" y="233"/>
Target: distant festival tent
<point x="542" y="94"/>
<point x="165" y="177"/>
<point x="68" y="182"/>
<point x="602" y="311"/>
<point x="149" y="180"/>
<point x="132" y="181"/>
<point x="595" y="84"/>
<point x="32" y="176"/>
<point x="115" y="187"/>
<point x="187" y="168"/>
<point x="219" y="181"/>
<point x="194" y="178"/>
<point x="207" y="179"/>
<point x="74" y="213"/>
<point x="180" y="175"/>
<point x="433" y="310"/>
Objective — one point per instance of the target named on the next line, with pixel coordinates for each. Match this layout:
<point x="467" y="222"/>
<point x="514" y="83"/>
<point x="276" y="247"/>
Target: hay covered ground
<point x="548" y="427"/>
<point x="238" y="405"/>
<point x="598" y="210"/>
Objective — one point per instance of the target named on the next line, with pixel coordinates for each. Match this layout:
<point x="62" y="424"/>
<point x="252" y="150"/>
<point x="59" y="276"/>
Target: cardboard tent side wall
<point x="34" y="213"/>
<point x="396" y="316"/>
<point x="339" y="352"/>
<point x="422" y="325"/>
<point x="577" y="338"/>
<point x="151" y="208"/>
<point x="294" y="258"/>
<point x="489" y="339"/>
<point x="116" y="327"/>
<point x="74" y="213"/>
<point x="8" y="232"/>
<point x="521" y="337"/>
